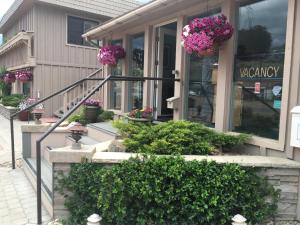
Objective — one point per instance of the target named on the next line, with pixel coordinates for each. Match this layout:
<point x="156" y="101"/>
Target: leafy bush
<point x="175" y="137"/>
<point x="168" y="190"/>
<point x="79" y="118"/>
<point x="12" y="100"/>
<point x="105" y="116"/>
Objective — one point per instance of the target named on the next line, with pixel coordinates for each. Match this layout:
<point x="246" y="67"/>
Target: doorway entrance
<point x="165" y="57"/>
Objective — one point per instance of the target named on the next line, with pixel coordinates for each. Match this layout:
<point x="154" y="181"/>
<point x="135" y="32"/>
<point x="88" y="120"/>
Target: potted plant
<point x="109" y="55"/>
<point x="91" y="110"/>
<point x="141" y="115"/>
<point x="25" y="115"/>
<point x="203" y="36"/>
<point x="24" y="76"/>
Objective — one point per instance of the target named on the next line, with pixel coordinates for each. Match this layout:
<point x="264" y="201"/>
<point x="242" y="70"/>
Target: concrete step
<point x="102" y="131"/>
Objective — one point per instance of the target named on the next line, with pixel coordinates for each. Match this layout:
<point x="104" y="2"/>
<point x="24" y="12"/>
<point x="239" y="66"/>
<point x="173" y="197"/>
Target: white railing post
<point x="239" y="220"/>
<point x="94" y="220"/>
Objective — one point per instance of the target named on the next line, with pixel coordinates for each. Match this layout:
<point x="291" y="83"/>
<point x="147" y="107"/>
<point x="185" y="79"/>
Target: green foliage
<point x="175" y="137"/>
<point x="12" y="100"/>
<point x="79" y="118"/>
<point x="83" y="183"/>
<point x="168" y="190"/>
<point x="4" y="87"/>
<point x="105" y="116"/>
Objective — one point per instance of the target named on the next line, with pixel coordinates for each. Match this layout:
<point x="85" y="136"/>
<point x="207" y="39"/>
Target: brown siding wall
<point x="58" y="64"/>
<point x="25" y="22"/>
<point x="15" y="57"/>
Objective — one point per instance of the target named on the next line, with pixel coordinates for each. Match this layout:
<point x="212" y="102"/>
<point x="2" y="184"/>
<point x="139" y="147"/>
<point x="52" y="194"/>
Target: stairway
<point x="74" y="95"/>
<point x="97" y="139"/>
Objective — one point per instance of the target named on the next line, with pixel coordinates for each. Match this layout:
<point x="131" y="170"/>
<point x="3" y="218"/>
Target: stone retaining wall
<point x="6" y="111"/>
<point x="279" y="172"/>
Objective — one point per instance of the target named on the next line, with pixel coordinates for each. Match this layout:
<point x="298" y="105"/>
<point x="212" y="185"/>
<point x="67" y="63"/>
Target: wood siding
<point x="58" y="63"/>
<point x="25" y="22"/>
<point x="15" y="57"/>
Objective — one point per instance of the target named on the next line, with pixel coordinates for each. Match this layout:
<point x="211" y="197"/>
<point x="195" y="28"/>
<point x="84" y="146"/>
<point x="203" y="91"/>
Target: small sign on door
<point x="257" y="88"/>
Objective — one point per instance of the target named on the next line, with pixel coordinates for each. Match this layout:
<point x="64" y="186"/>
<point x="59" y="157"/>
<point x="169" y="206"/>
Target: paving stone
<point x="17" y="199"/>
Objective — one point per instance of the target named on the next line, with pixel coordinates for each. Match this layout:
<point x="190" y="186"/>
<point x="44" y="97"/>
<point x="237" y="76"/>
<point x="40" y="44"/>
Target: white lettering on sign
<point x="260" y="72"/>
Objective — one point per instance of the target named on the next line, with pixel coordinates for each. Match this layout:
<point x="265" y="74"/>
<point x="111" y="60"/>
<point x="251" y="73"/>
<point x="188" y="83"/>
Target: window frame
<point x="84" y="19"/>
<point x="262" y="142"/>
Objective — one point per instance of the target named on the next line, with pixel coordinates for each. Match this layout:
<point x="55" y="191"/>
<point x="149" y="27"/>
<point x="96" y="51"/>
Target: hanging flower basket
<point x="9" y="78"/>
<point x="203" y="36"/>
<point x="109" y="55"/>
<point x="24" y="76"/>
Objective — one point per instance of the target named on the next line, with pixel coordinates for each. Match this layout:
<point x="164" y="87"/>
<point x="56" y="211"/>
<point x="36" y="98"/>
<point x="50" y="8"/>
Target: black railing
<point x="64" y="117"/>
<point x="39" y="102"/>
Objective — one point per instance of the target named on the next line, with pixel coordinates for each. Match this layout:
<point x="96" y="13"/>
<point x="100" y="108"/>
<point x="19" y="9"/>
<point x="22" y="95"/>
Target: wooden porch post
<point x="125" y="69"/>
<point x="180" y="70"/>
<point x="147" y="66"/>
<point x="225" y="72"/>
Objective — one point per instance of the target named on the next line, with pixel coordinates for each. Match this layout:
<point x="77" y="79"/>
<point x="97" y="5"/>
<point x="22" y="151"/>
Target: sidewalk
<point x="5" y="145"/>
<point x="17" y="196"/>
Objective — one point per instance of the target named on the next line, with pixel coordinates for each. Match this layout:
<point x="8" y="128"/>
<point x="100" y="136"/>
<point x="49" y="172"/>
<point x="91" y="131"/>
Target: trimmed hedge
<point x="167" y="191"/>
<point x="175" y="137"/>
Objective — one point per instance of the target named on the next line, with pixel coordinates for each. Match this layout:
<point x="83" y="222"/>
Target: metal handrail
<point x="89" y="76"/>
<point x="37" y="103"/>
<point x="69" y="113"/>
<point x="52" y="128"/>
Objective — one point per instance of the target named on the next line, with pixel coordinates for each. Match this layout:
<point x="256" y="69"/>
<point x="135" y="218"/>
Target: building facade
<point x="44" y="36"/>
<point x="249" y="86"/>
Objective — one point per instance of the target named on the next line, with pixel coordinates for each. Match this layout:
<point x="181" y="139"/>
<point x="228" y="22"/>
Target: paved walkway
<point x="17" y="196"/>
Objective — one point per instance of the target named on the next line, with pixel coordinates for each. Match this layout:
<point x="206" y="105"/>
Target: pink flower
<point x="202" y="34"/>
<point x="109" y="55"/>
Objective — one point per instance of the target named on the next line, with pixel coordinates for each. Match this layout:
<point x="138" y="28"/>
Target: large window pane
<point x="77" y="27"/>
<point x="202" y="74"/>
<point x="136" y="68"/>
<point x="116" y="86"/>
<point x="257" y="87"/>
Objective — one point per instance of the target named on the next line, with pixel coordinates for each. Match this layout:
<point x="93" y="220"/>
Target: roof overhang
<point x="151" y="11"/>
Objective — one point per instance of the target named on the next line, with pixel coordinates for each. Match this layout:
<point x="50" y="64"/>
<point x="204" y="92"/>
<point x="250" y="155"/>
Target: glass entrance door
<point x="164" y="66"/>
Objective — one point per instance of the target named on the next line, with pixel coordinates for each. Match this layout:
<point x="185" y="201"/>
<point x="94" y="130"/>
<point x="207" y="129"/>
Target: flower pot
<point x="92" y="113"/>
<point x="142" y="120"/>
<point x="24" y="116"/>
<point x="209" y="52"/>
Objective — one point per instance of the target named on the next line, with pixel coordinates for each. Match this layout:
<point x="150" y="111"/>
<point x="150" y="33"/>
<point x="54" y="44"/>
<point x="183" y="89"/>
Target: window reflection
<point x="136" y="68"/>
<point x="257" y="92"/>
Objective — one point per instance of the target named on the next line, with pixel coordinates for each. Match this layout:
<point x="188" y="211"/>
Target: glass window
<point x="257" y="85"/>
<point x="77" y="27"/>
<point x="116" y="86"/>
<point x="136" y="68"/>
<point x="26" y="88"/>
<point x="202" y="89"/>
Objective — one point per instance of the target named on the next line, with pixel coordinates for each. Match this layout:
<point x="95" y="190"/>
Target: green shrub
<point x="79" y="118"/>
<point x="168" y="191"/>
<point x="12" y="100"/>
<point x="175" y="137"/>
<point x="105" y="116"/>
